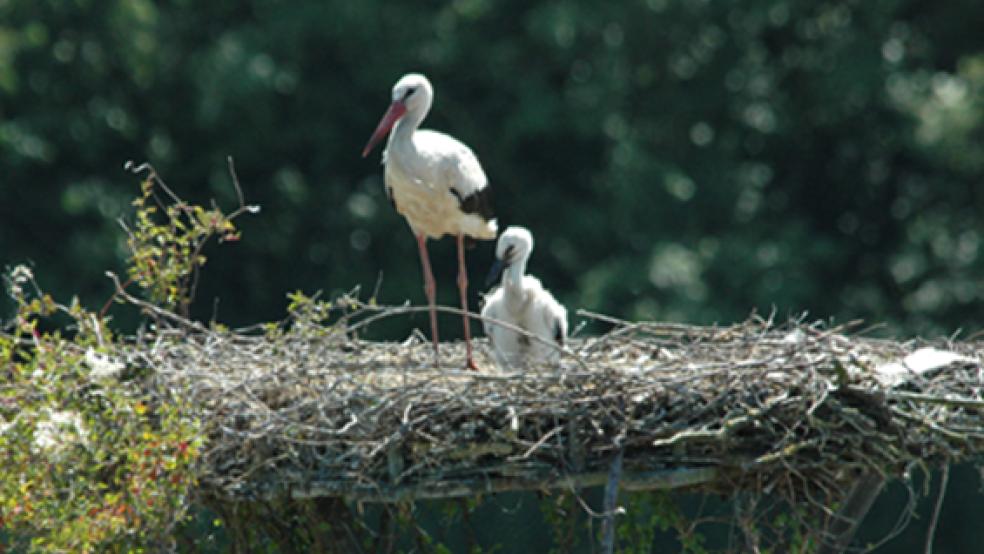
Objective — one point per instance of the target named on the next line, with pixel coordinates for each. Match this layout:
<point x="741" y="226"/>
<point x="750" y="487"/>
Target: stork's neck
<point x="410" y="122"/>
<point x="512" y="279"/>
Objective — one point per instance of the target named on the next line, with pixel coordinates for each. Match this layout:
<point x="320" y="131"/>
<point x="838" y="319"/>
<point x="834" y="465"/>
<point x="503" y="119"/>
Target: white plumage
<point x="425" y="188"/>
<point x="522" y="301"/>
<point x="435" y="182"/>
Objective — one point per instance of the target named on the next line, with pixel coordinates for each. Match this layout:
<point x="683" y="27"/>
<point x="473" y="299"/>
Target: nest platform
<point x="796" y="409"/>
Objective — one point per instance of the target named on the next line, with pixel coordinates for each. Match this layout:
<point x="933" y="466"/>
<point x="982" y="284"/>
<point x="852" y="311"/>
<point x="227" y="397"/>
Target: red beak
<point x="392" y="115"/>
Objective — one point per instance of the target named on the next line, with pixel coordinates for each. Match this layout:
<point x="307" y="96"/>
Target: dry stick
<point x="153" y="175"/>
<point x="109" y="302"/>
<point x="235" y="181"/>
<point x="243" y="208"/>
<point x="746" y="523"/>
<point x="157" y="310"/>
<point x="390" y="311"/>
<point x="931" y="534"/>
<point x="929" y="399"/>
<point x="677" y="328"/>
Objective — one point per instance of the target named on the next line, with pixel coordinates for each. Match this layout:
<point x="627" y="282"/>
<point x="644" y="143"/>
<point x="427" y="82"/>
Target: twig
<point x="941" y="400"/>
<point x="109" y="302"/>
<point x="235" y="181"/>
<point x="391" y="311"/>
<point x="152" y="308"/>
<point x="934" y="520"/>
<point x="153" y="175"/>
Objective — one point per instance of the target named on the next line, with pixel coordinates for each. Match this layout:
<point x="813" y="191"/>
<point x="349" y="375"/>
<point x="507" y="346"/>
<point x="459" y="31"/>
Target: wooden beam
<point x="848" y="519"/>
<point x="630" y="481"/>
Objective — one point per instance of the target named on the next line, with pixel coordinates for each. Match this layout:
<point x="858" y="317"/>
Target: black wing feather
<point x="558" y="333"/>
<point x="389" y="194"/>
<point x="478" y="202"/>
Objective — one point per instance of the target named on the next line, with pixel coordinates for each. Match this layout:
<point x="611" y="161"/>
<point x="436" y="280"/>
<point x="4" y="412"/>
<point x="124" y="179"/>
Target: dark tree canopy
<point x="676" y="160"/>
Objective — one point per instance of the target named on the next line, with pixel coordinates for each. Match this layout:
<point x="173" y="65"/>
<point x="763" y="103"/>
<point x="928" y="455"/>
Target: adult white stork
<point x="522" y="301"/>
<point x="435" y="182"/>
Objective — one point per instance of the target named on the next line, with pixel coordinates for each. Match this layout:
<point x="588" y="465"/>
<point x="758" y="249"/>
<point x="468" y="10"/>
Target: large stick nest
<point x="799" y="409"/>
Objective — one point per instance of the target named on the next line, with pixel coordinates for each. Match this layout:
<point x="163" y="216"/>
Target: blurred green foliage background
<point x="681" y="160"/>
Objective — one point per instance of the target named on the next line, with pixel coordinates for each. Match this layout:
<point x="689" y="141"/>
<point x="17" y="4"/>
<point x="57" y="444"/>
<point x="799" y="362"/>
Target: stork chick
<point x="521" y="301"/>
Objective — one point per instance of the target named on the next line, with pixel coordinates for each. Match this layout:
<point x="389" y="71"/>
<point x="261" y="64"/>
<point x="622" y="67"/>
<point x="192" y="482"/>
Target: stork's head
<point x="412" y="94"/>
<point x="514" y="247"/>
<point x="414" y="91"/>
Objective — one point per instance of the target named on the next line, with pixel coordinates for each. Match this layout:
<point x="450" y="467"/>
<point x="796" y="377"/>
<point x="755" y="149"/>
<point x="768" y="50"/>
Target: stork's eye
<point x="409" y="91"/>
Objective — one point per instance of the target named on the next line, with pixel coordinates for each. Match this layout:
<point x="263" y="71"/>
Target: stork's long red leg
<point x="463" y="288"/>
<point x="430" y="289"/>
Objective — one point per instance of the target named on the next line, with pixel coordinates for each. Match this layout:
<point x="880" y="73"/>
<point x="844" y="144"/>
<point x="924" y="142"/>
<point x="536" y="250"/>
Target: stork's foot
<point x="437" y="349"/>
<point x="471" y="365"/>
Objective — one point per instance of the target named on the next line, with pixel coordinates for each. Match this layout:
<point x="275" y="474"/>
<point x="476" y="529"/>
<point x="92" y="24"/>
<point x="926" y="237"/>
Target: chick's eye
<point x="509" y="251"/>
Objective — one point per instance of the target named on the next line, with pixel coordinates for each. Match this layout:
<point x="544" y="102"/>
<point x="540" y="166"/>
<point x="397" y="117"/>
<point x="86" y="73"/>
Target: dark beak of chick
<point x="495" y="272"/>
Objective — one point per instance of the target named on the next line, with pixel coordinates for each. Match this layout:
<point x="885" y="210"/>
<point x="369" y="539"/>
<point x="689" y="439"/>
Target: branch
<point x="939" y="400"/>
<point x="391" y="311"/>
